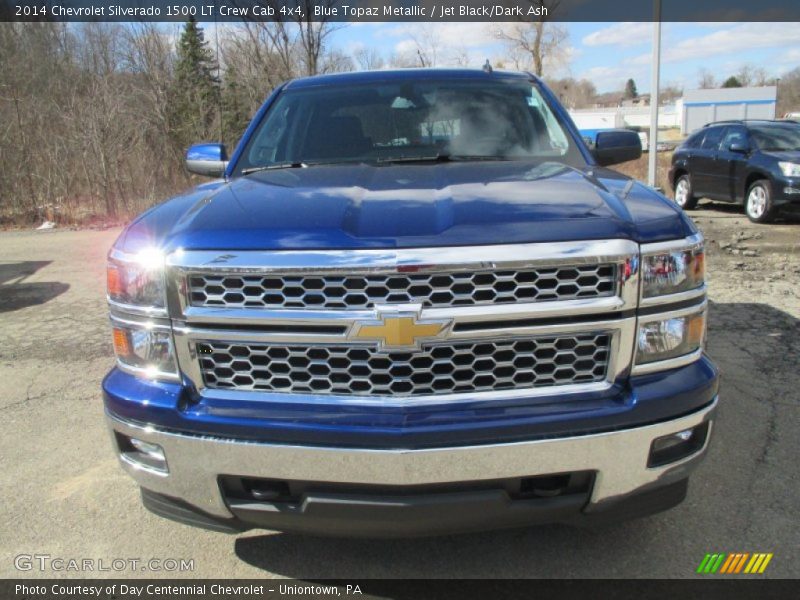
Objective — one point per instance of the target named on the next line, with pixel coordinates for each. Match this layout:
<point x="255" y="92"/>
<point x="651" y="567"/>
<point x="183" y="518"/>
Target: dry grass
<point x="638" y="170"/>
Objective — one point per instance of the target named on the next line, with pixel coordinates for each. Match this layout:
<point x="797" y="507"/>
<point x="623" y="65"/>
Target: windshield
<point x="406" y="121"/>
<point x="777" y="137"/>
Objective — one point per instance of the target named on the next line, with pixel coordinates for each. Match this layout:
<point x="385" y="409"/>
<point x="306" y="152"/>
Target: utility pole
<point x="654" y="84"/>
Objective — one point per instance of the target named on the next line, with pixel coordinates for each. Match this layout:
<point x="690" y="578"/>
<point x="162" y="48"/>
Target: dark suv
<point x="756" y="163"/>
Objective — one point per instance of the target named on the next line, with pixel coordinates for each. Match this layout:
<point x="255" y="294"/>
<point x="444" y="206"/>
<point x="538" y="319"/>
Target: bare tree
<point x="706" y="80"/>
<point x="422" y="48"/>
<point x="79" y="107"/>
<point x="35" y="74"/>
<point x="336" y="61"/>
<point x="535" y="43"/>
<point x="314" y="35"/>
<point x="148" y="55"/>
<point x="369" y="58"/>
<point x="301" y="38"/>
<point x="403" y="60"/>
<point x="85" y="109"/>
<point x="461" y="57"/>
<point x="670" y="92"/>
<point x="574" y="93"/>
<point x="748" y="75"/>
<point x="789" y="92"/>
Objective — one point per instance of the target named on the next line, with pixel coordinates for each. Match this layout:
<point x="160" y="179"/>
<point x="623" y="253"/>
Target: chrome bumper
<point x="619" y="459"/>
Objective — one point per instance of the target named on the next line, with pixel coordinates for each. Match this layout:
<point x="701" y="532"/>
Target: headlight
<point x="137" y="280"/>
<point x="670" y="337"/>
<point x="790" y="169"/>
<point x="144" y="348"/>
<point x="673" y="269"/>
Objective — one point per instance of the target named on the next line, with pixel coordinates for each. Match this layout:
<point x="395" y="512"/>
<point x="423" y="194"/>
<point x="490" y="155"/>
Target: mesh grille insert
<point x="439" y="290"/>
<point x="439" y="368"/>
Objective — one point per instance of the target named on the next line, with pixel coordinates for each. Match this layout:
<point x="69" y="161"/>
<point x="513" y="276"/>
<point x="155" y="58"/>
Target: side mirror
<point x="739" y="148"/>
<point x="207" y="159"/>
<point x="616" y="146"/>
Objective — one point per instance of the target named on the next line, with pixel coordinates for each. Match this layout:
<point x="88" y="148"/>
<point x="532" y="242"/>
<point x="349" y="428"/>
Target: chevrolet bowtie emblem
<point x="399" y="331"/>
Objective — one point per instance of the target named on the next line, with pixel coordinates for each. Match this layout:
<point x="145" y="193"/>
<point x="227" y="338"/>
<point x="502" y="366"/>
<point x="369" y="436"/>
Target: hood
<point x="408" y="205"/>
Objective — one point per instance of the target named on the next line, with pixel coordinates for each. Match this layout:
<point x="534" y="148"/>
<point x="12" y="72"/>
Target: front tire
<point x="683" y="193"/>
<point x="758" y="202"/>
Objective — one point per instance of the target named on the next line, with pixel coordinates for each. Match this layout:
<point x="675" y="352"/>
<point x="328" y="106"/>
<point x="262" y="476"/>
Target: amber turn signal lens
<point x="696" y="329"/>
<point x="122" y="344"/>
<point x="114" y="281"/>
<point x="671" y="337"/>
<point x="699" y="265"/>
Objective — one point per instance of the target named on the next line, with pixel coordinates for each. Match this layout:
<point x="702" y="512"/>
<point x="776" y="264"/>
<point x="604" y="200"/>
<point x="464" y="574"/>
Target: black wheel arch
<point x="751" y="178"/>
<point x="678" y="172"/>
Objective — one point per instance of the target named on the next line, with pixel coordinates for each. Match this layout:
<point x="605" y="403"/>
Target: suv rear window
<point x="693" y="141"/>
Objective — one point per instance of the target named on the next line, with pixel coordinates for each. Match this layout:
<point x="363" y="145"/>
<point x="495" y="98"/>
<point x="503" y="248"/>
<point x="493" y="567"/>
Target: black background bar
<point x="398" y="10"/>
<point x="710" y="587"/>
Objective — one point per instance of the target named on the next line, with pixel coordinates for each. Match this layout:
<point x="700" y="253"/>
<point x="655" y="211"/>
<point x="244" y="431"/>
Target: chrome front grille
<point x="516" y="321"/>
<point x="430" y="289"/>
<point x="441" y="368"/>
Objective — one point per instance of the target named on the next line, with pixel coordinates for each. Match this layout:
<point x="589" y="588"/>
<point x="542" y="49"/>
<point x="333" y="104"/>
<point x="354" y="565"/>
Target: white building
<point x="692" y="111"/>
<point x="705" y="106"/>
<point x="592" y="120"/>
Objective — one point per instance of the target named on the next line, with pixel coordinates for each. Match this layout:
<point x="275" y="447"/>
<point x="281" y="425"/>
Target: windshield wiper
<point x="488" y="157"/>
<point x="286" y="165"/>
<point x="441" y="157"/>
<point x="402" y="159"/>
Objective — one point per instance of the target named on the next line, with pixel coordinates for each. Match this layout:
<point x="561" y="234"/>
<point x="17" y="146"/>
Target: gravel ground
<point x="65" y="496"/>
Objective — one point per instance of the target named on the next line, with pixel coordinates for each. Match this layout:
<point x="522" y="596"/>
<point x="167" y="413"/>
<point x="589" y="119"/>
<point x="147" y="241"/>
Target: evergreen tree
<point x="235" y="115"/>
<point x="732" y="82"/>
<point x="630" y="90"/>
<point x="195" y="96"/>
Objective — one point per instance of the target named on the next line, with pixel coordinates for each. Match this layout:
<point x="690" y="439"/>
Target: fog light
<point x="153" y="450"/>
<point x="676" y="446"/>
<point x="142" y="454"/>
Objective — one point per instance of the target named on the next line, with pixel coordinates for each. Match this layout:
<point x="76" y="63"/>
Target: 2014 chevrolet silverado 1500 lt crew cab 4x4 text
<point x="414" y="302"/>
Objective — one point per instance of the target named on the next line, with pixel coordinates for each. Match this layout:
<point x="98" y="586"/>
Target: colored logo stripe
<point x="710" y="563"/>
<point x="728" y="563"/>
<point x="758" y="563"/>
<point x="734" y="563"/>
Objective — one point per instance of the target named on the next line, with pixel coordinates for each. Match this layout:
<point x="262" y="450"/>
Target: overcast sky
<point x="609" y="53"/>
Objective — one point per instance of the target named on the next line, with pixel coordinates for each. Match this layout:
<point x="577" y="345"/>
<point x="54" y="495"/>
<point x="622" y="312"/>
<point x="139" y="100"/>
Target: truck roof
<point x="356" y="77"/>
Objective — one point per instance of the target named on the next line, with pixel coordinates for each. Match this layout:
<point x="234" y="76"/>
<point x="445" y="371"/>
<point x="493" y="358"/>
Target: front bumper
<point x="191" y="490"/>
<point x="786" y="192"/>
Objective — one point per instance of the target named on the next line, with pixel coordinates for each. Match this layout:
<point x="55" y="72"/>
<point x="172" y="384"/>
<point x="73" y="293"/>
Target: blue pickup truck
<point x="410" y="303"/>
